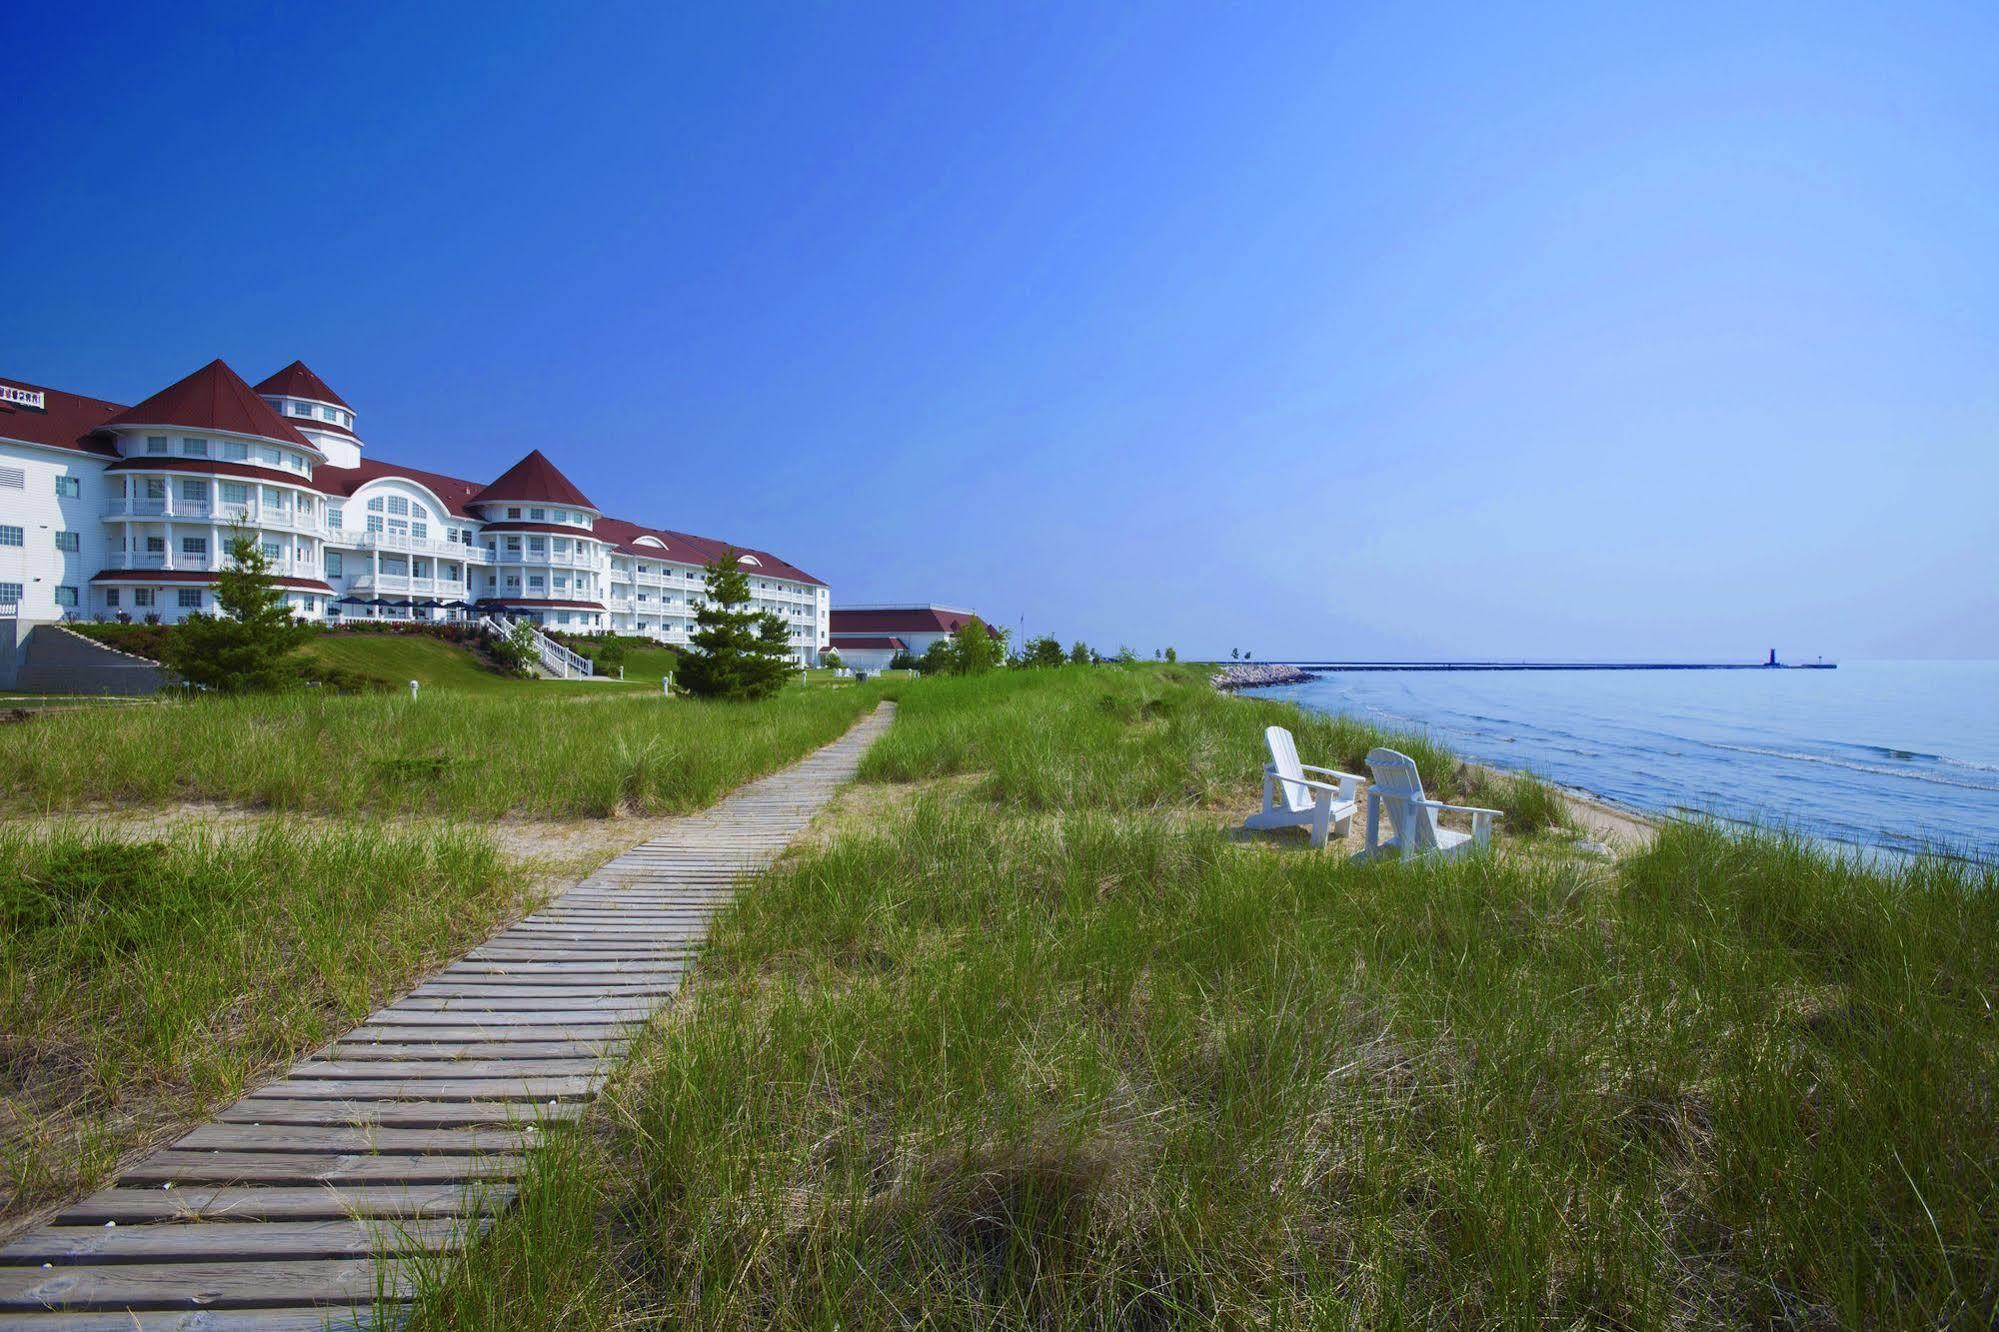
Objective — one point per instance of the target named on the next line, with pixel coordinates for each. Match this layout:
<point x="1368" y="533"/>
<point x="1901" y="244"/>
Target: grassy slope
<point x="431" y="662"/>
<point x="1045" y="1052"/>
<point x="140" y="983"/>
<point x="529" y="751"/>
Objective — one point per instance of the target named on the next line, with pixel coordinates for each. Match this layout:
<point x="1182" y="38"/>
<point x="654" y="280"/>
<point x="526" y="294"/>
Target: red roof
<point x="901" y="620"/>
<point x="869" y="641"/>
<point x="683" y="548"/>
<point x="535" y="480"/>
<point x="297" y="381"/>
<point x="63" y="421"/>
<point x="213" y="398"/>
<point x="455" y="493"/>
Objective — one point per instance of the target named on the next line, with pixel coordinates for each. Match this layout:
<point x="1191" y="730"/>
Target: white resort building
<point x="108" y="511"/>
<point x="868" y="638"/>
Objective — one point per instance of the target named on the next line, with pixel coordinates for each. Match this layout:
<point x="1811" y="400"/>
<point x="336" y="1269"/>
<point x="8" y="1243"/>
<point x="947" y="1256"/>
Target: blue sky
<point x="1309" y="329"/>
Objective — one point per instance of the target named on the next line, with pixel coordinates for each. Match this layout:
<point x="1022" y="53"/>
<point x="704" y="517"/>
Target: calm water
<point x="1901" y="755"/>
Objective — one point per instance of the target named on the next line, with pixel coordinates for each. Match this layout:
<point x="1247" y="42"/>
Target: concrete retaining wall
<point x="52" y="660"/>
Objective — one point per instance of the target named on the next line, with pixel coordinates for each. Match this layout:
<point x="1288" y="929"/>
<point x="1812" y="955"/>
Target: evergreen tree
<point x="938" y="658"/>
<point x="1171" y="655"/>
<point x="737" y="652"/>
<point x="1043" y="651"/>
<point x="248" y="646"/>
<point x="1080" y="654"/>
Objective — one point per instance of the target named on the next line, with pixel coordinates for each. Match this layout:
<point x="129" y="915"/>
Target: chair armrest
<point x="1460" y="809"/>
<point x="1333" y="772"/>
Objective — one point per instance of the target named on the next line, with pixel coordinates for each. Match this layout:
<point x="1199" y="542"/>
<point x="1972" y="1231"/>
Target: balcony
<point x="140" y="561"/>
<point x="175" y="509"/>
<point x="402" y="542"/>
<point x="451" y="589"/>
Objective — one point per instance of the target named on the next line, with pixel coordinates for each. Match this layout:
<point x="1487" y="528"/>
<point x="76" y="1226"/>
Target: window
<point x="561" y="582"/>
<point x="513" y="545"/>
<point x="538" y="514"/>
<point x="111" y="598"/>
<point x="65" y="595"/>
<point x="536" y="546"/>
<point x="274" y="497"/>
<point x="69" y="541"/>
<point x="513" y="580"/>
<point x="420" y="529"/>
<point x="194" y="546"/>
<point x="194" y="492"/>
<point x="194" y="448"/>
<point x="374" y="504"/>
<point x="11" y="536"/>
<point x="513" y="513"/>
<point x="10" y="594"/>
<point x="142" y="596"/>
<point x="334" y="514"/>
<point x="535" y="583"/>
<point x="68" y="487"/>
<point x="190" y="598"/>
<point x="300" y="409"/>
<point x="271" y="550"/>
<point x="235" y="492"/>
<point x="235" y="450"/>
<point x="328" y="414"/>
<point x="374" y="523"/>
<point x="13" y="478"/>
<point x="156" y="545"/>
<point x="335" y="565"/>
<point x="156" y="443"/>
<point x="561" y="545"/>
<point x="399" y="506"/>
<point x="268" y="455"/>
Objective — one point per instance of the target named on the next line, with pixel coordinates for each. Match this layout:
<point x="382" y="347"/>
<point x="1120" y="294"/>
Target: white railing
<point x="449" y="550"/>
<point x="388" y="582"/>
<point x="556" y="659"/>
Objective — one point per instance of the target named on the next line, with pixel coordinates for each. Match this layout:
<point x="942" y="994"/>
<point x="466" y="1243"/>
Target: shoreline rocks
<point x="1257" y="676"/>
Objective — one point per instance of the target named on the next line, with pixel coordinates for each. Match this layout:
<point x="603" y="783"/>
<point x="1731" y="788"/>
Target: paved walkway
<point x="293" y="1207"/>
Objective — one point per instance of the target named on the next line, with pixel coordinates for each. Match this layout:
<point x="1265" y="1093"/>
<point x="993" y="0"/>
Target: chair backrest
<point x="1399" y="785"/>
<point x="1290" y="772"/>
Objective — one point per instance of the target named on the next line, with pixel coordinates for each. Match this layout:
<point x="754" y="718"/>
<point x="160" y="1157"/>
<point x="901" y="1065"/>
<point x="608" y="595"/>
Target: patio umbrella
<point x="351" y="600"/>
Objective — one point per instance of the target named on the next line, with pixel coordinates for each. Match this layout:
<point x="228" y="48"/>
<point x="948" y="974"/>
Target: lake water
<point x="1900" y="755"/>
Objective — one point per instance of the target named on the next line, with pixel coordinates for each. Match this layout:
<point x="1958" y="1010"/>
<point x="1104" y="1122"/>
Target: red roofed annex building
<point x="869" y="637"/>
<point x="108" y="510"/>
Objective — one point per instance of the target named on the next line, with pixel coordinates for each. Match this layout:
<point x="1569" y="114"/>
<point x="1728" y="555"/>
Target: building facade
<point x="108" y="512"/>
<point x="868" y="638"/>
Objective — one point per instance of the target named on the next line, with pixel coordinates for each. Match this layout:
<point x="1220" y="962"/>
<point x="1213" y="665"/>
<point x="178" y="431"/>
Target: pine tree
<point x="737" y="652"/>
<point x="247" y="647"/>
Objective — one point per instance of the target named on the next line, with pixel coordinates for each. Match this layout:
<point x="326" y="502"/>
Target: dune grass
<point x="1091" y="1070"/>
<point x="1149" y="738"/>
<point x="141" y="982"/>
<point x="400" y="658"/>
<point x="530" y="752"/>
<point x="1039" y="1050"/>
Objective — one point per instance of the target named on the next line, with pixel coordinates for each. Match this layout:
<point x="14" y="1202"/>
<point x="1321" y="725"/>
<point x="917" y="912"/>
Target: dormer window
<point x="300" y="409"/>
<point x="156" y="444"/>
<point x="513" y="513"/>
<point x="235" y="450"/>
<point x="537" y="514"/>
<point x="194" y="448"/>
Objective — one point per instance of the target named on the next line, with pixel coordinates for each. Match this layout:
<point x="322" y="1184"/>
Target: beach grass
<point x="1091" y="1070"/>
<point x="1041" y="1047"/>
<point x="592" y="751"/>
<point x="143" y="982"/>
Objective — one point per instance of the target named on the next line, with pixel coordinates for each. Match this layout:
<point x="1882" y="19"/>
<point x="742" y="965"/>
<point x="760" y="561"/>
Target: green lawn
<point x="1045" y="1047"/>
<point x="433" y="663"/>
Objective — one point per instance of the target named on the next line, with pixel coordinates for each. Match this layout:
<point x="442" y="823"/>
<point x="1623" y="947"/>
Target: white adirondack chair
<point x="1292" y="800"/>
<point x="1412" y="818"/>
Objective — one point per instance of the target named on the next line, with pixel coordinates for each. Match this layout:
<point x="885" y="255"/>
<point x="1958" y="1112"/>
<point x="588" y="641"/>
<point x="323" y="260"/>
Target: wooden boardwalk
<point x="301" y="1204"/>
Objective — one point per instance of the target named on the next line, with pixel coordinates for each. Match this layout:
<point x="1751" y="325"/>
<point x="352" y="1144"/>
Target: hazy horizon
<point x="1372" y="332"/>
